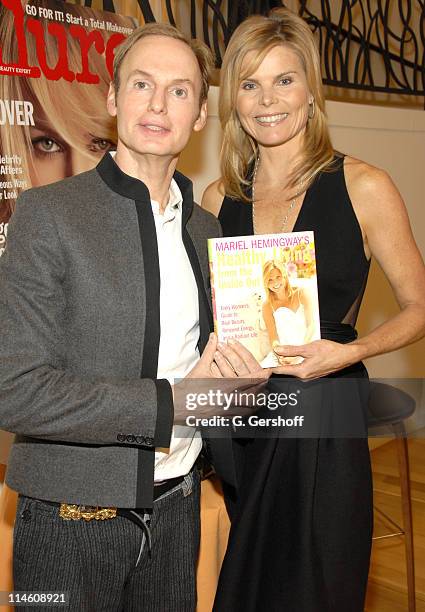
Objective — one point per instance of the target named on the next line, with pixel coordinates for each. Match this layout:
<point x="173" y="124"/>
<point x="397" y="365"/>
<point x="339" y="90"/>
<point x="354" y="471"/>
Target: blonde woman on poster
<point x="68" y="129"/>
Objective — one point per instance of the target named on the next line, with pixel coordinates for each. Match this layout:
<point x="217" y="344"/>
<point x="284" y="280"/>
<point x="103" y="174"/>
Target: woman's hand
<point x="321" y="357"/>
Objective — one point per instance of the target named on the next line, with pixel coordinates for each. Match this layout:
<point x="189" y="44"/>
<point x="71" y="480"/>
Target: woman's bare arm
<point x="305" y="300"/>
<point x="270" y="323"/>
<point x="388" y="237"/>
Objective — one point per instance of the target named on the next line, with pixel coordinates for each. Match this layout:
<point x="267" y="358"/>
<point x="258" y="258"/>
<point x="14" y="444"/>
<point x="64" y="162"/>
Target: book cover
<point x="264" y="292"/>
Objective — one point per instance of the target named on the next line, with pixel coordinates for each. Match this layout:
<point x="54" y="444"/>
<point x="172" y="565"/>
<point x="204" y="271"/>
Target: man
<point x="103" y="301"/>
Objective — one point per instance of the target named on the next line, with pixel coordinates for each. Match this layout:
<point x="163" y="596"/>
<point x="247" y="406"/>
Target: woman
<point x="301" y="532"/>
<point x="287" y="312"/>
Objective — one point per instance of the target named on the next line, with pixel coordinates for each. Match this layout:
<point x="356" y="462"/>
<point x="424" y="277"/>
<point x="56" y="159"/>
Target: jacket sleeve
<point x="39" y="397"/>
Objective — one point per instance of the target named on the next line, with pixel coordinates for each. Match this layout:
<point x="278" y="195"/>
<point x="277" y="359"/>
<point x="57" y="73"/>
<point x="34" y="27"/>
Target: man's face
<point x="157" y="104"/>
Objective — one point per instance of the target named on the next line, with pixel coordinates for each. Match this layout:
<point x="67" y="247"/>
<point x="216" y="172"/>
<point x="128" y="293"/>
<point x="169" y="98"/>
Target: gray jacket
<point x="79" y="312"/>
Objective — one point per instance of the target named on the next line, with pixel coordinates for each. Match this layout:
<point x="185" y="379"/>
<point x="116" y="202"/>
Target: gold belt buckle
<point x="74" y="512"/>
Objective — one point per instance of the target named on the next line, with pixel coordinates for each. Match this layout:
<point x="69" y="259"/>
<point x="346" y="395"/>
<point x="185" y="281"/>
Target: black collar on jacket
<point x="134" y="189"/>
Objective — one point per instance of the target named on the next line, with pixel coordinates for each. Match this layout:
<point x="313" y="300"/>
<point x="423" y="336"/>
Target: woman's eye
<point x="44" y="144"/>
<point x="101" y="145"/>
<point x="248" y="86"/>
<point x="285" y="81"/>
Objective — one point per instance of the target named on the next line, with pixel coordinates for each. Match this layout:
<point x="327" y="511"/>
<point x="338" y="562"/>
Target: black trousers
<point x="109" y="565"/>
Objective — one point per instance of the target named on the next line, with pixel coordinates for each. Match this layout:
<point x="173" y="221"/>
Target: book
<point x="264" y="292"/>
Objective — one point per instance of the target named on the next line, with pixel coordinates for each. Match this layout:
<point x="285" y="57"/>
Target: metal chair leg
<point x="406" y="501"/>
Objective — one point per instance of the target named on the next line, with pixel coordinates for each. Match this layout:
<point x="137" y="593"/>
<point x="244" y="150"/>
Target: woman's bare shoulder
<point x="213" y="197"/>
<point x="363" y="176"/>
<point x="375" y="197"/>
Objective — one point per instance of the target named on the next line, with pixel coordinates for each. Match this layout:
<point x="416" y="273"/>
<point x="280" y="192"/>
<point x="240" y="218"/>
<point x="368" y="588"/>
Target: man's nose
<point x="158" y="100"/>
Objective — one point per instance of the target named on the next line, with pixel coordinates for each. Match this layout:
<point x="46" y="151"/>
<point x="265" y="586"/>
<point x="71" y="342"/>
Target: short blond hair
<point x="261" y="34"/>
<point x="201" y="52"/>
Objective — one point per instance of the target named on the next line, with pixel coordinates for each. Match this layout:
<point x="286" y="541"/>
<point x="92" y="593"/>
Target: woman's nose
<point x="268" y="96"/>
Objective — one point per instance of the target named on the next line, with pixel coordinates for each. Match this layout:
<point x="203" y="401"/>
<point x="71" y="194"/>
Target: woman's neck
<point x="277" y="163"/>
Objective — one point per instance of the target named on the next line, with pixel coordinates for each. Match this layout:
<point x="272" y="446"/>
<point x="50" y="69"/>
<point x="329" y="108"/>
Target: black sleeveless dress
<point x="301" y="530"/>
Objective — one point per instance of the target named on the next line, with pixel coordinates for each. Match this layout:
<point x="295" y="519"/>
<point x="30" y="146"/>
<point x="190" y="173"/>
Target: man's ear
<point x="202" y="117"/>
<point x="111" y="105"/>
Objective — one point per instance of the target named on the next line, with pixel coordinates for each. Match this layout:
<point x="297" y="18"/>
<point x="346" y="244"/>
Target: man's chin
<point x="146" y="148"/>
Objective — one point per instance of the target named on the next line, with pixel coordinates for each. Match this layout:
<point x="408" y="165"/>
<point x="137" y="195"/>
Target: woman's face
<point x="53" y="158"/>
<point x="276" y="281"/>
<point x="272" y="102"/>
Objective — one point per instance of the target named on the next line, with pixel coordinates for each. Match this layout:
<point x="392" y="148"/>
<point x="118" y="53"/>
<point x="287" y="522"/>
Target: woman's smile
<point x="271" y="120"/>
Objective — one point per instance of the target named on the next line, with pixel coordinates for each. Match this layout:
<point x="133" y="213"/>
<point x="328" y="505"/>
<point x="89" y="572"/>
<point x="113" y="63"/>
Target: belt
<point x="338" y="332"/>
<point x="76" y="512"/>
<point x="166" y="486"/>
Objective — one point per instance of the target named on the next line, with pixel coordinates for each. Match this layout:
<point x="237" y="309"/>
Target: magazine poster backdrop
<point x="55" y="68"/>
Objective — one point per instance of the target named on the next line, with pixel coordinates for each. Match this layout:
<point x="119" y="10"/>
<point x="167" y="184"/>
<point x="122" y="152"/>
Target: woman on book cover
<point x="302" y="515"/>
<point x="72" y="129"/>
<point x="287" y="313"/>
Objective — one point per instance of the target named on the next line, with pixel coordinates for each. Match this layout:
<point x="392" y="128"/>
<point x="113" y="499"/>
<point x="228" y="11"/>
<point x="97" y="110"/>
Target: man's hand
<point x="223" y="372"/>
<point x="235" y="361"/>
<point x="206" y="367"/>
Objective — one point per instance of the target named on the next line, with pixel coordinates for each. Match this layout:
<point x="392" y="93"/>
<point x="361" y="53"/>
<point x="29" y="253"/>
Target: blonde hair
<point x="202" y="53"/>
<point x="239" y="150"/>
<point x="73" y="109"/>
<point x="268" y="268"/>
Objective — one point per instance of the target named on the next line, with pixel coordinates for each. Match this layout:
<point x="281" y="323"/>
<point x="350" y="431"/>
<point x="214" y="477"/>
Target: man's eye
<point x="44" y="144"/>
<point x="100" y="145"/>
<point x="141" y="84"/>
<point x="180" y="93"/>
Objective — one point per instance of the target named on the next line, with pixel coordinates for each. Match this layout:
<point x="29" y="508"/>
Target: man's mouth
<point x="154" y="128"/>
<point x="271" y="119"/>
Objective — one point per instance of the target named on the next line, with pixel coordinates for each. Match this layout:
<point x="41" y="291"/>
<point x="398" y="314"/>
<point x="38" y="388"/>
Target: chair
<point x="389" y="406"/>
